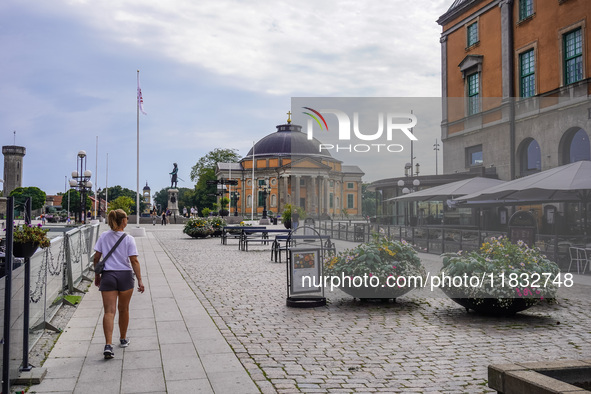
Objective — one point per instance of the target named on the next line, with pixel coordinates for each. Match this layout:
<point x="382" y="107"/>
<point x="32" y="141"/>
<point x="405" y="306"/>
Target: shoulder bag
<point x="100" y="266"/>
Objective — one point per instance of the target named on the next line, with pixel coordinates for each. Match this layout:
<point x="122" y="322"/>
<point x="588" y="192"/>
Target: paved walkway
<point x="175" y="346"/>
<point x="213" y="319"/>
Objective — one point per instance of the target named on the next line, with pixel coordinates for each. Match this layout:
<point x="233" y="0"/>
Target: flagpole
<point x="107" y="188"/>
<point x="138" y="231"/>
<point x="96" y="179"/>
<point x="252" y="185"/>
<point x="137" y="197"/>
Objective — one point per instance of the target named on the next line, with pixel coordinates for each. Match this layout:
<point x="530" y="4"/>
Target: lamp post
<point x="263" y="188"/>
<point x="409" y="186"/>
<point x="235" y="196"/>
<point x="81" y="181"/>
<point x="436" y="149"/>
<point x="98" y="212"/>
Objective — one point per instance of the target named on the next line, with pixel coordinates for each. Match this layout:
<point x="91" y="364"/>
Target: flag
<point x="140" y="99"/>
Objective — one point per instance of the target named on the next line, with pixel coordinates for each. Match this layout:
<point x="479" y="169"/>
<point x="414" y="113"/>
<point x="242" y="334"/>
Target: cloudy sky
<point x="213" y="74"/>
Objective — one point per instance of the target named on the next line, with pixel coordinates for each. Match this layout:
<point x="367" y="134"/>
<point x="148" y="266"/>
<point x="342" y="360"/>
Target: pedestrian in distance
<point x="164" y="218"/>
<point x="295" y="218"/>
<point x="116" y="282"/>
<point x="154" y="215"/>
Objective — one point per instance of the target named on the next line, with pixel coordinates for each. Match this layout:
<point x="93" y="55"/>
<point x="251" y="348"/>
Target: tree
<point x="74" y="201"/>
<point x="204" y="170"/>
<point x="186" y="198"/>
<point x="209" y="161"/>
<point x="122" y="202"/>
<point x="117" y="191"/>
<point x="160" y="198"/>
<point x="21" y="193"/>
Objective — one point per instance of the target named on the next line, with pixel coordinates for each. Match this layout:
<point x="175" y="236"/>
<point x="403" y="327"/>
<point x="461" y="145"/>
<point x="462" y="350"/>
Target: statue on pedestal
<point x="174" y="177"/>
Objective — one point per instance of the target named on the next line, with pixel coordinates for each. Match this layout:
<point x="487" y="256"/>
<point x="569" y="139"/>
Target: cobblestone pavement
<point x="422" y="343"/>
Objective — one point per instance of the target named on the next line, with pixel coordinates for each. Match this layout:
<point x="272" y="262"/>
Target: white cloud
<point x="315" y="48"/>
<point x="214" y="74"/>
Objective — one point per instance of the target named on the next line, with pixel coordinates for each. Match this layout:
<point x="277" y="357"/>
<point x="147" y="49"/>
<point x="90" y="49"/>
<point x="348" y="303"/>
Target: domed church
<point x="289" y="169"/>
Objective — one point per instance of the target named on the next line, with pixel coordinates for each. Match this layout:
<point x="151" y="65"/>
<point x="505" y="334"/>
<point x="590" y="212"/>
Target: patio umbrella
<point x="449" y="190"/>
<point x="567" y="183"/>
<point x="571" y="182"/>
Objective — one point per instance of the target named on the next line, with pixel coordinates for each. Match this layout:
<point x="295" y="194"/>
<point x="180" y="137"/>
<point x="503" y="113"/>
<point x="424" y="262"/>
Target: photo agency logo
<point x="391" y="126"/>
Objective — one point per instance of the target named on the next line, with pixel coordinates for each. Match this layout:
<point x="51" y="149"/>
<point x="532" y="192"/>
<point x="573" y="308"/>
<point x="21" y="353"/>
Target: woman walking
<point x="116" y="282"/>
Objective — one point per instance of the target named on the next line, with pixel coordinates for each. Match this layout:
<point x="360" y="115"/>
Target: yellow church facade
<point x="288" y="169"/>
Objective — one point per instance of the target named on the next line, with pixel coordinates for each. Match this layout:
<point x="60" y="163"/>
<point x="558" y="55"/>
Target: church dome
<point x="288" y="140"/>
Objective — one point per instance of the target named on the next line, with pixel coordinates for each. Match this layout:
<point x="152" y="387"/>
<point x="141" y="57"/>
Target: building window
<point x="350" y="201"/>
<point x="350" y="185"/>
<point x="573" y="56"/>
<point x="302" y="182"/>
<point x="474" y="156"/>
<point x="273" y="200"/>
<point x="579" y="148"/>
<point x="526" y="9"/>
<point x="331" y="183"/>
<point x="531" y="157"/>
<point x="331" y="200"/>
<point x="527" y="74"/>
<point x="249" y="201"/>
<point x="473" y="94"/>
<point x="472" y="34"/>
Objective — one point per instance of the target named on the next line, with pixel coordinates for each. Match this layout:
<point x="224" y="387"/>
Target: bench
<point x="227" y="234"/>
<point x="261" y="235"/>
<point x="289" y="241"/>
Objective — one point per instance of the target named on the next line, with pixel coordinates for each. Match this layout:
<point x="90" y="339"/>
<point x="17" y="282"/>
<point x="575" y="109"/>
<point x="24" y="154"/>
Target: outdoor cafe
<point x="557" y="200"/>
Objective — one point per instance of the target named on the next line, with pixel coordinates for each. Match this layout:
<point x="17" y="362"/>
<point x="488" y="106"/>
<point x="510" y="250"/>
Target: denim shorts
<point x="116" y="281"/>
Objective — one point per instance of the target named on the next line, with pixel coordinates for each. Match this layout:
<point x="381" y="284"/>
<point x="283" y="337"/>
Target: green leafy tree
<point x="117" y="191"/>
<point x="186" y="198"/>
<point x="209" y="161"/>
<point x="122" y="202"/>
<point x="160" y="198"/>
<point x="20" y="194"/>
<point x="74" y="201"/>
<point x="204" y="170"/>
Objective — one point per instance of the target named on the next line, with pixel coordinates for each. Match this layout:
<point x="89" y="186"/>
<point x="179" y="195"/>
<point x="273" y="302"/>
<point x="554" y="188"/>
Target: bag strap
<point x="114" y="247"/>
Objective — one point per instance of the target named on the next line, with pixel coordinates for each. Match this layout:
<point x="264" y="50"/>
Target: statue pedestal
<point x="173" y="202"/>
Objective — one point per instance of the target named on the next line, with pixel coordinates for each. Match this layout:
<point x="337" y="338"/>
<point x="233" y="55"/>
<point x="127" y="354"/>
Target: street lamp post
<point x="409" y="186"/>
<point x="98" y="212"/>
<point x="263" y="188"/>
<point x="81" y="181"/>
<point x="235" y="196"/>
<point x="436" y="149"/>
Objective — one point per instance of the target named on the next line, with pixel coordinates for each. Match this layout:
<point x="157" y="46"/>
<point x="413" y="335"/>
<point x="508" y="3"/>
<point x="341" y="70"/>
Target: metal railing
<point x="34" y="288"/>
<point x="438" y="240"/>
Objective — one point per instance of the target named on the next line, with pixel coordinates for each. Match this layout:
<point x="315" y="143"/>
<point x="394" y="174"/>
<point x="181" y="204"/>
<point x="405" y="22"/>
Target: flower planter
<point x="494" y="306"/>
<point x="199" y="235"/>
<point x="24" y="250"/>
<point x="375" y="270"/>
<point x="368" y="293"/>
<point x="499" y="278"/>
<point x="287" y="224"/>
<point x="198" y="228"/>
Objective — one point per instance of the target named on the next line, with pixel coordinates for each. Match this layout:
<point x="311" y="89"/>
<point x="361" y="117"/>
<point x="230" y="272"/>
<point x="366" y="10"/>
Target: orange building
<point x="516" y="86"/>
<point x="289" y="169"/>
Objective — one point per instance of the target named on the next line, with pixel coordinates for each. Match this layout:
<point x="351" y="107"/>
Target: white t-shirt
<point x="119" y="260"/>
